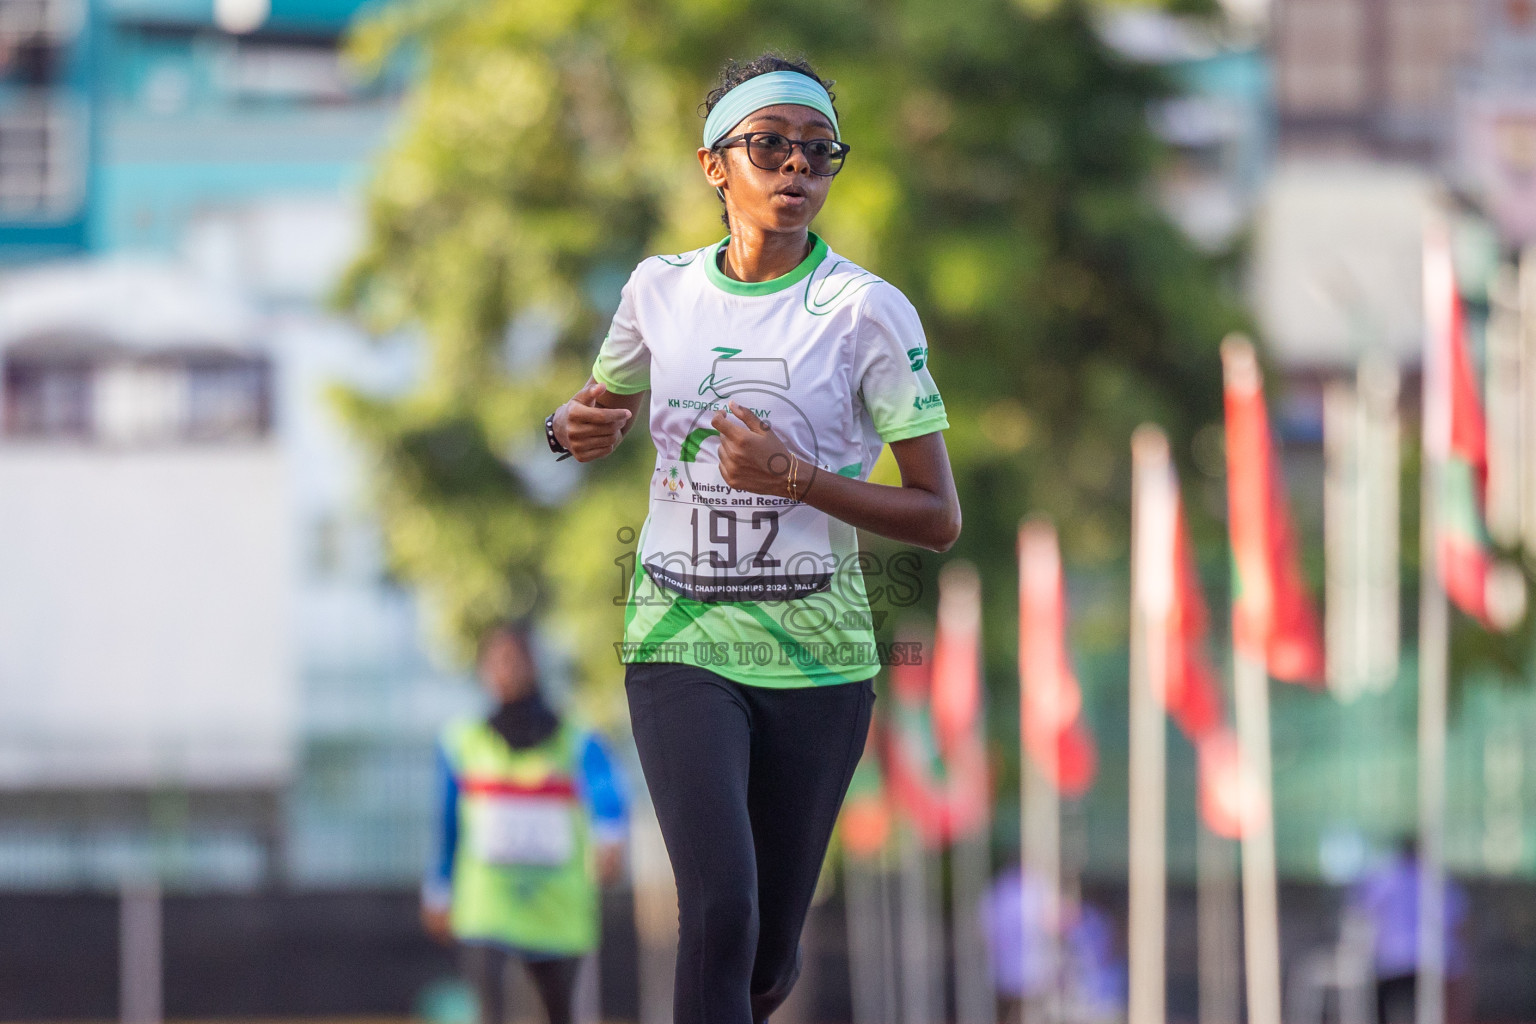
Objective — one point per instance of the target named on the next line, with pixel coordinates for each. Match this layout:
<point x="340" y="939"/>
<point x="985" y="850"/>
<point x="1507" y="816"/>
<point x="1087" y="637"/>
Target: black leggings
<point x="555" y="979"/>
<point x="747" y="783"/>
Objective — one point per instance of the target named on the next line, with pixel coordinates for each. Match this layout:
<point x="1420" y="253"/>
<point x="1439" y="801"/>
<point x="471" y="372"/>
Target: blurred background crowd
<point x="287" y="288"/>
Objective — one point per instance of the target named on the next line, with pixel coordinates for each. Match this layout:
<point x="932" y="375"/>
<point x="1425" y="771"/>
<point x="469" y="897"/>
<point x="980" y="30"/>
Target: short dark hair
<point x="734" y="72"/>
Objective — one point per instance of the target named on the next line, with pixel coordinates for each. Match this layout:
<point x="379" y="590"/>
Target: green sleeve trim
<point x="602" y="377"/>
<point x="926" y="425"/>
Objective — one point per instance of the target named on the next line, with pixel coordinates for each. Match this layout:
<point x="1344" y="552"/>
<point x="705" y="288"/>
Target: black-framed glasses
<point x="769" y="150"/>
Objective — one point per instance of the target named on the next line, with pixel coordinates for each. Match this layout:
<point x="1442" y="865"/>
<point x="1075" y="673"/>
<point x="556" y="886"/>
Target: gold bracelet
<point x="794" y="469"/>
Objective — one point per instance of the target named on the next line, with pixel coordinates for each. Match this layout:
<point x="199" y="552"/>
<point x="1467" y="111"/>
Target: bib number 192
<point x="722" y="529"/>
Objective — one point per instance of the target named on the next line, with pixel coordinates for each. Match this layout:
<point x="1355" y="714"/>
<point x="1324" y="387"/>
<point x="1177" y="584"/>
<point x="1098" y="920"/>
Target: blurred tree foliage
<point x="1001" y="177"/>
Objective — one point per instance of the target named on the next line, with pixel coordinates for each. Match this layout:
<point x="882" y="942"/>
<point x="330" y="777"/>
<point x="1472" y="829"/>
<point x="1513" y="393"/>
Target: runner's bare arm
<point x="924" y="510"/>
<point x="595" y="420"/>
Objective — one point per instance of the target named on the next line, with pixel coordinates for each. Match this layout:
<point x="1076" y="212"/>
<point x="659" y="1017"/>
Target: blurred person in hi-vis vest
<point x="532" y="814"/>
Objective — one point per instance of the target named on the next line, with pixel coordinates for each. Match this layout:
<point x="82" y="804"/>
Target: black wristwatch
<point x="554" y="445"/>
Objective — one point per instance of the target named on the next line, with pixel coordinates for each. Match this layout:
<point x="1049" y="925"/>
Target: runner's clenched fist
<point x="752" y="457"/>
<point x="590" y="431"/>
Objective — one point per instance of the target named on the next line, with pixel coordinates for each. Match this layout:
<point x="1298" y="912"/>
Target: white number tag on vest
<point x="529" y="830"/>
<point x="711" y="542"/>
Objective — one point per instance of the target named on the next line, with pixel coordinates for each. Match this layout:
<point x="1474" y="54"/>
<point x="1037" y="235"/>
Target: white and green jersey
<point x="761" y="589"/>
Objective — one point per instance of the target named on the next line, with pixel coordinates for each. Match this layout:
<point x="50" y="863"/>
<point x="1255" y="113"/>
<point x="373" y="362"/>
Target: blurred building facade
<point x="1383" y="109"/>
<point x="1370" y="77"/>
<point x="1219" y="126"/>
<point x="206" y="674"/>
<point x="1385" y="113"/>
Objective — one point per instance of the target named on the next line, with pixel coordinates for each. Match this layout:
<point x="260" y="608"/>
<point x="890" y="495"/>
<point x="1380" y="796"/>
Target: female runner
<point x="777" y="370"/>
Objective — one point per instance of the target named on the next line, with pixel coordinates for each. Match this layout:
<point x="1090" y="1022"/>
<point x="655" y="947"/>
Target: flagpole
<point x="1216" y="928"/>
<point x="1041" y="850"/>
<point x="1502" y="385"/>
<point x="1527" y="322"/>
<point x="1040" y="805"/>
<point x="1344" y="545"/>
<point x="890" y="956"/>
<point x="1261" y="916"/>
<point x="1429" y="1000"/>
<point x="1379" y="384"/>
<point x="1439" y="283"/>
<point x="1250" y="676"/>
<point x="917" y="953"/>
<point x="866" y="823"/>
<point x="861" y="905"/>
<point x="1147" y="868"/>
<point x="970" y="859"/>
<point x="969" y="868"/>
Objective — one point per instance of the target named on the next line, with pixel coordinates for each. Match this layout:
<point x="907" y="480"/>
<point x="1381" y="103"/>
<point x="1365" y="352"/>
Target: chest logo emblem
<point x="672" y="480"/>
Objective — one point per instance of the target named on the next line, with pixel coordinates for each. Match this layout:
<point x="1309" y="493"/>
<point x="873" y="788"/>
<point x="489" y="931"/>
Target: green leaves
<point x="1000" y="177"/>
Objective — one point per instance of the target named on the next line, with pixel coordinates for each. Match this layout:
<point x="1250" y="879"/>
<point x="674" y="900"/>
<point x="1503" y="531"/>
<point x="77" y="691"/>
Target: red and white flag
<point x="957" y="657"/>
<point x="1273" y="619"/>
<point x="931" y="747"/>
<point x="957" y="697"/>
<point x="1456" y="438"/>
<point x="1050" y="700"/>
<point x="1193" y="698"/>
<point x="1171" y="603"/>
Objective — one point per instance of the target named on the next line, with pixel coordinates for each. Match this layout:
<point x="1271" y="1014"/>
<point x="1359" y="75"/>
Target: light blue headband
<point x="766" y="91"/>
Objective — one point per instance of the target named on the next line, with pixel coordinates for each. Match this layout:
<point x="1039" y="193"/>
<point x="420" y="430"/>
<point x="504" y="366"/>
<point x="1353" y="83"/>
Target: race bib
<point x="524" y="830"/>
<point x="708" y="541"/>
